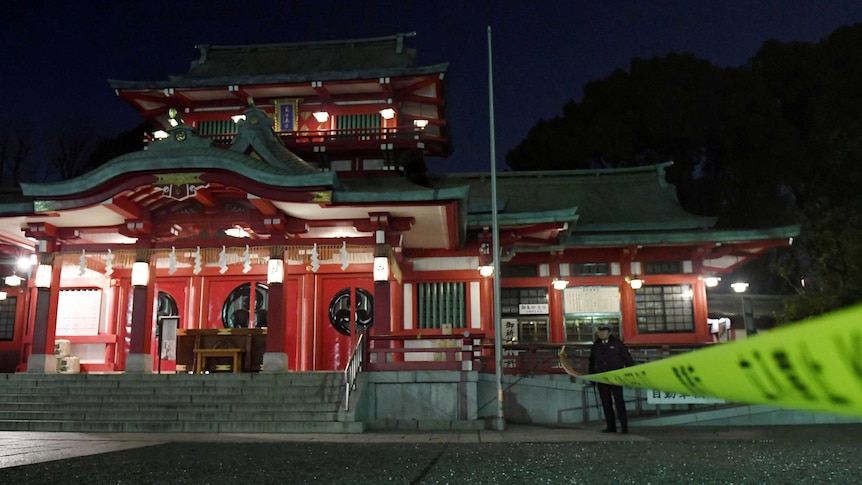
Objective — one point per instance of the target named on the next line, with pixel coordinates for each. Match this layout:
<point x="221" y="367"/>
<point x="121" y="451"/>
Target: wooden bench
<point x="201" y="356"/>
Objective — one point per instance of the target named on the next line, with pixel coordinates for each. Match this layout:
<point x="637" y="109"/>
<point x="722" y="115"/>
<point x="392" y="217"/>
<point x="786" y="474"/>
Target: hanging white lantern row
<point x="109" y="263"/>
<point x="82" y="263"/>
<point x="197" y="258"/>
<point x="172" y="261"/>
<point x="344" y="261"/>
<point x="246" y="260"/>
<point x="222" y="260"/>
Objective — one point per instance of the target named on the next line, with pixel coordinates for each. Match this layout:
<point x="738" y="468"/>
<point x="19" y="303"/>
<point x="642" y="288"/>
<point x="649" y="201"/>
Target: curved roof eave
<point x="569" y="215"/>
<point x="421" y="195"/>
<point x="187" y="82"/>
<point x="683" y="237"/>
<point x="16" y="208"/>
<point x="698" y="237"/>
<point x="694" y="222"/>
<point x="200" y="158"/>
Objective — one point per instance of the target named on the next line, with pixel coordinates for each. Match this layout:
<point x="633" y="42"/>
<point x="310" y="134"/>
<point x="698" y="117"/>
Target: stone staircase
<point x="300" y="402"/>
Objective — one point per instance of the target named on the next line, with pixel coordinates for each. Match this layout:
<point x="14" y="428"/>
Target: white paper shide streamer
<point x="172" y="261"/>
<point x="222" y="260"/>
<point x="82" y="263"/>
<point x="109" y="263"/>
<point x="198" y="265"/>
<point x="315" y="259"/>
<point x="246" y="260"/>
<point x="345" y="262"/>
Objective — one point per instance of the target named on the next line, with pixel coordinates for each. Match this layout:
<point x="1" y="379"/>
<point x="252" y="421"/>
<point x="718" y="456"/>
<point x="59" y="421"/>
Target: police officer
<point x="609" y="353"/>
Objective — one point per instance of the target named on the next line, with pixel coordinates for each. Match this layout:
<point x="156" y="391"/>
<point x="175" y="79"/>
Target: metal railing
<point x="438" y="352"/>
<point x="475" y="352"/>
<point x="354" y="367"/>
<point x="401" y="135"/>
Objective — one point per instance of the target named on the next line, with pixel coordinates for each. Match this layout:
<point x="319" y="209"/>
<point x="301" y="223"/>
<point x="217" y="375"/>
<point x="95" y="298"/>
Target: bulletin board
<point x="591" y="299"/>
<point x="78" y="312"/>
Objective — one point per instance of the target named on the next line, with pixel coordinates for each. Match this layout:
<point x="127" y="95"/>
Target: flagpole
<point x="500" y="423"/>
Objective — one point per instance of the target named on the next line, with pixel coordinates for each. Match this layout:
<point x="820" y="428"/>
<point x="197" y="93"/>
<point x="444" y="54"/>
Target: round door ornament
<point x="340" y="307"/>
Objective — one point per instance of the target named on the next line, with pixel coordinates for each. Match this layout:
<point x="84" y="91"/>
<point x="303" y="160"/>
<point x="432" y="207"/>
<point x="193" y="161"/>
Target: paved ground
<point x="518" y="455"/>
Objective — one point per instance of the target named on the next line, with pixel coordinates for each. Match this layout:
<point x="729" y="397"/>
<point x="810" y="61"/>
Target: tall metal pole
<point x="498" y="327"/>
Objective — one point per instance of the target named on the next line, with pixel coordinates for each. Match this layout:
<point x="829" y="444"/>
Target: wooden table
<point x="252" y="341"/>
<point x="201" y="356"/>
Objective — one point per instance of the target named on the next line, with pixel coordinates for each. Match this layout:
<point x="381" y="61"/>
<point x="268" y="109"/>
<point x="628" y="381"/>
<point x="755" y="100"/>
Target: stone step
<point x="214" y="403"/>
<point x="134" y="406"/>
<point x="297" y="378"/>
<point x="183" y="427"/>
<point x="197" y="382"/>
<point x="324" y="396"/>
<point x="176" y="391"/>
<point x="182" y="416"/>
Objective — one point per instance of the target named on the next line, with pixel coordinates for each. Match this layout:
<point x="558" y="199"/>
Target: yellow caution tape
<point x="814" y="365"/>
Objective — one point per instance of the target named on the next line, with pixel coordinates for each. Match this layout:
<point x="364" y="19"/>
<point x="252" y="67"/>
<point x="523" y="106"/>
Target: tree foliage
<point x="775" y="141"/>
<point x="16" y="152"/>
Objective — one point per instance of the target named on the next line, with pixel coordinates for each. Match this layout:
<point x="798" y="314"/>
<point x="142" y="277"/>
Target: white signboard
<point x="591" y="299"/>
<point x="169" y="337"/>
<point x="78" y="312"/>
<point x="533" y="309"/>
<point x="510" y="329"/>
<point x="661" y="397"/>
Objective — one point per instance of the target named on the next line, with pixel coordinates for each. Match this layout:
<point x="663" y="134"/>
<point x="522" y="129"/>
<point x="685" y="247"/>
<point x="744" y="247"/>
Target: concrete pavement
<point x="517" y="455"/>
<point x="24" y="448"/>
<point x="28" y="447"/>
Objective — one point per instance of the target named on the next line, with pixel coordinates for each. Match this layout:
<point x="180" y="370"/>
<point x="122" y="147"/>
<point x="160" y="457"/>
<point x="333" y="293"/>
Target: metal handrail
<point x="354" y="367"/>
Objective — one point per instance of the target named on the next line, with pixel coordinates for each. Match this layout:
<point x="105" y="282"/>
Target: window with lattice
<point x="662" y="267"/>
<point x="664" y="309"/>
<point x="590" y="269"/>
<point x="441" y="303"/>
<point x="7" y="318"/>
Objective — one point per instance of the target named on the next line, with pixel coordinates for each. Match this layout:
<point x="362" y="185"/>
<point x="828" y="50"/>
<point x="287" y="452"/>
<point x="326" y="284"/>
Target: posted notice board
<point x="78" y="312"/>
<point x="591" y="299"/>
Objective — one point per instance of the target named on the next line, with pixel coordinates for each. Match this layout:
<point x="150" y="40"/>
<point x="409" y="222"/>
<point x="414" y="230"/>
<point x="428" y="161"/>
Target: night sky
<point x="56" y="56"/>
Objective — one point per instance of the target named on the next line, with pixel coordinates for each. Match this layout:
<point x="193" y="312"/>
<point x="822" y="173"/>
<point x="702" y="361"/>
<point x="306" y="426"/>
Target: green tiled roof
<point x="616" y="200"/>
<point x="394" y="189"/>
<point x="296" y="62"/>
<point x="192" y="153"/>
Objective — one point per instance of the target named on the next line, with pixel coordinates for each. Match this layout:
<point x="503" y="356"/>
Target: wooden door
<point x="344" y="303"/>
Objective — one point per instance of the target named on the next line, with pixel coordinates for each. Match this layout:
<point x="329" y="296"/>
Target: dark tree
<point x="776" y="141"/>
<point x="17" y="148"/>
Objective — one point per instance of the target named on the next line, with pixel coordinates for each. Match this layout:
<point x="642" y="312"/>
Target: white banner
<point x="662" y="397"/>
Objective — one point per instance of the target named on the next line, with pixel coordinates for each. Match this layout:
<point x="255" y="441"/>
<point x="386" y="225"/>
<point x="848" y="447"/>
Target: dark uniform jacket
<point x="609" y="356"/>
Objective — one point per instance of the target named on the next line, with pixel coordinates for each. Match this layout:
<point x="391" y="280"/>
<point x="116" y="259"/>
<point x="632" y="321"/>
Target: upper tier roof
<point x="296" y="62"/>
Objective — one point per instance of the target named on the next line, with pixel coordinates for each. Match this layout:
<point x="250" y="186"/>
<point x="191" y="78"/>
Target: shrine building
<point x="287" y="204"/>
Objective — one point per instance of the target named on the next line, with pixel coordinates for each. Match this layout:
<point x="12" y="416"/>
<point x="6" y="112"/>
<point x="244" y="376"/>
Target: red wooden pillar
<point x="275" y="358"/>
<point x="41" y="359"/>
<point x="556" y="316"/>
<point x="140" y="360"/>
<point x="382" y="309"/>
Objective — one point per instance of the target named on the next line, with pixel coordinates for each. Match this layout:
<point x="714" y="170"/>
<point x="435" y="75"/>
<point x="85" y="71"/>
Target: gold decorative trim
<point x="322" y="196"/>
<point x="178" y="178"/>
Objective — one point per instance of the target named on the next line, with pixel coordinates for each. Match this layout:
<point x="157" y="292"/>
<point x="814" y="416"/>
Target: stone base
<point x="139" y="364"/>
<point x="274" y="362"/>
<point x="42" y="364"/>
